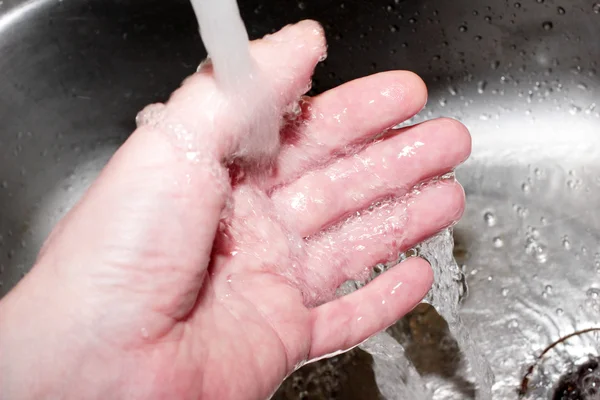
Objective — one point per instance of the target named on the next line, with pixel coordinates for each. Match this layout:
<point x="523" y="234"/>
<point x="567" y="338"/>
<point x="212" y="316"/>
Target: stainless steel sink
<point x="522" y="75"/>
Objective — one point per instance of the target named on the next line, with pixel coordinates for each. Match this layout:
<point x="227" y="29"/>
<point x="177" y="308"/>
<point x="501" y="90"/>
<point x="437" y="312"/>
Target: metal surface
<point x="523" y="76"/>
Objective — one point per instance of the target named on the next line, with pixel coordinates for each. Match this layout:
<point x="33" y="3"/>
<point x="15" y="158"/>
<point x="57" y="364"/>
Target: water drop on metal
<point x="489" y="218"/>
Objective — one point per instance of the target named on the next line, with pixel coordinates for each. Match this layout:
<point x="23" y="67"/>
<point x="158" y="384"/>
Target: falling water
<point x="445" y="295"/>
<point x="396" y="377"/>
<point x="226" y="40"/>
<point x="238" y="77"/>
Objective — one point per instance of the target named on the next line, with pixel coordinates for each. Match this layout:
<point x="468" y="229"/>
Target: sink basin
<point x="522" y="75"/>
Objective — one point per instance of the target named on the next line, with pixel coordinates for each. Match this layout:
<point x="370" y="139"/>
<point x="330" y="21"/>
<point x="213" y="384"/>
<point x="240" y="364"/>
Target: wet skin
<point x="185" y="272"/>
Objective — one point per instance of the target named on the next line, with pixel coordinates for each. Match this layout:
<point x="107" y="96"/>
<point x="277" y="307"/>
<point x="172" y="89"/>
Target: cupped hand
<point x="186" y="272"/>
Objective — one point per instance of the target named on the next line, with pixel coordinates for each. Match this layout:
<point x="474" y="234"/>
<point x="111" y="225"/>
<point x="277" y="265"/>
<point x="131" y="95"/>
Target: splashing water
<point x="445" y="296"/>
<point x="396" y="377"/>
<point x="226" y="41"/>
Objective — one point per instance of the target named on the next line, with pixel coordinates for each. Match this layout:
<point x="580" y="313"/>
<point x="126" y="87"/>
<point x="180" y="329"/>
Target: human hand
<point x="171" y="280"/>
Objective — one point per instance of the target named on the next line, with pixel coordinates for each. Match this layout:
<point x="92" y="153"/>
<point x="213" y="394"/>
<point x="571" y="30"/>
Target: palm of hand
<point x="291" y="239"/>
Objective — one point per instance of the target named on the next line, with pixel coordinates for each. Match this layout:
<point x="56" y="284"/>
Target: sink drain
<point x="580" y="384"/>
<point x="546" y="377"/>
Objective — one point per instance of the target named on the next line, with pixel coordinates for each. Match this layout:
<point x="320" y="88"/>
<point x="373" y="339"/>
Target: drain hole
<point x="582" y="383"/>
<point x="579" y="383"/>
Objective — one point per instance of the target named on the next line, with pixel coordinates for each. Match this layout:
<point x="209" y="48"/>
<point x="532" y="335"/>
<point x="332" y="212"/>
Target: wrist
<point x="50" y="350"/>
<point x="43" y="352"/>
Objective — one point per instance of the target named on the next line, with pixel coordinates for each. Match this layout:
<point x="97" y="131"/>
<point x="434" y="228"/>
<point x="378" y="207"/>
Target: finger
<point x="380" y="234"/>
<point x="347" y="321"/>
<point x="247" y="121"/>
<point x="388" y="168"/>
<point x="340" y="120"/>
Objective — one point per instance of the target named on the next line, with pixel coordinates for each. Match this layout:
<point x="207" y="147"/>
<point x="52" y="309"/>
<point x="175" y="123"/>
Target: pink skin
<point x="167" y="282"/>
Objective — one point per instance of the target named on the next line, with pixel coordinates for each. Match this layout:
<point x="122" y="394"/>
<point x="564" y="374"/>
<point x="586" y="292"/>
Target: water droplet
<point x="463" y="28"/>
<point x="596" y="8"/>
<point x="522" y="212"/>
<point x="478" y="38"/>
<point x="488" y="18"/>
<point x="533" y="232"/>
<point x="513" y="324"/>
<point x="548" y="289"/>
<point x="573" y="183"/>
<point x="481" y="85"/>
<point x="582" y="86"/>
<point x="393" y="28"/>
<point x="498" y="242"/>
<point x="517" y="5"/>
<point x="574" y="110"/>
<point x="561" y="11"/>
<point x="525" y="187"/>
<point x="489" y="218"/>
<point x="540" y="255"/>
<point x="560" y="311"/>
<point x="505" y="292"/>
<point x="547" y="25"/>
<point x="536" y="249"/>
<point x="443" y="102"/>
<point x="566" y="243"/>
<point x="590" y="109"/>
<point x="593" y="293"/>
<point x="540" y="1"/>
<point x="452" y="90"/>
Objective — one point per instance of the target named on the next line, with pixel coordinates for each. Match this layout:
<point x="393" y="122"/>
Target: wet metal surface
<point x="522" y="75"/>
